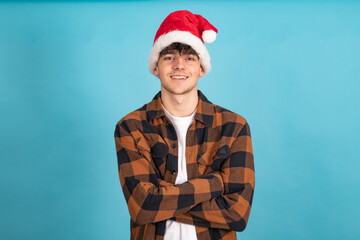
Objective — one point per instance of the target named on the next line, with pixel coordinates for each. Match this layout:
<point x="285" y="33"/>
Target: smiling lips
<point x="178" y="77"/>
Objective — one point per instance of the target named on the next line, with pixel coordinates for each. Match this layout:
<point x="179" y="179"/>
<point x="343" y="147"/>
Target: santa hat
<point x="187" y="28"/>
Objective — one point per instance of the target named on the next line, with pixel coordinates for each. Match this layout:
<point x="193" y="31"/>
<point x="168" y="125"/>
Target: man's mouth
<point x="179" y="77"/>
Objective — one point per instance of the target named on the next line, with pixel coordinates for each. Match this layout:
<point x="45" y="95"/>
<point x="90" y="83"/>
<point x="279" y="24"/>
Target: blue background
<point x="70" y="70"/>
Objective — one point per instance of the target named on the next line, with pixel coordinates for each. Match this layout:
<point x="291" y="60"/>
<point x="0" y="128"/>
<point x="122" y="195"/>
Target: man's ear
<point x="156" y="71"/>
<point x="201" y="72"/>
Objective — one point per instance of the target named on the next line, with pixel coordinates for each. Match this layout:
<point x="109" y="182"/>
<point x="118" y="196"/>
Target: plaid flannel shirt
<point x="218" y="195"/>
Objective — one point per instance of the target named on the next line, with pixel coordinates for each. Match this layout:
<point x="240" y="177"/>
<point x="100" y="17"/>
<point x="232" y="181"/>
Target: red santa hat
<point x="184" y="27"/>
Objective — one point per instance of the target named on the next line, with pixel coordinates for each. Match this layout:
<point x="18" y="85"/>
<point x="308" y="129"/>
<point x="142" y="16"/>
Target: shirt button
<point x="173" y="172"/>
<point x="173" y="145"/>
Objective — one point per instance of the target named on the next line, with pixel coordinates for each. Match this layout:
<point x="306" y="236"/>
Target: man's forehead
<point x="174" y="51"/>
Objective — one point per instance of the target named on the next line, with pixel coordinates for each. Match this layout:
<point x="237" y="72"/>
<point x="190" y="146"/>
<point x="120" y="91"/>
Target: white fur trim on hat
<point x="209" y="36"/>
<point x="183" y="37"/>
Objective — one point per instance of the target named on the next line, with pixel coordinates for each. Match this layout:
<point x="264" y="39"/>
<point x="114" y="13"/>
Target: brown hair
<point x="178" y="47"/>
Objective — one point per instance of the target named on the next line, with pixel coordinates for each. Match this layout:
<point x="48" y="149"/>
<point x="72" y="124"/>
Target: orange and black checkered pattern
<point x="218" y="195"/>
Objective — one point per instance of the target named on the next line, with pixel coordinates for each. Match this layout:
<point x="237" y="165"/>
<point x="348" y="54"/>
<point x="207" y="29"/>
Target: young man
<point x="185" y="165"/>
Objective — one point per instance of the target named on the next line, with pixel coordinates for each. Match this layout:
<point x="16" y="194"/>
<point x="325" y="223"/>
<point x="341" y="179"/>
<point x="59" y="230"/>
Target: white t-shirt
<point x="175" y="230"/>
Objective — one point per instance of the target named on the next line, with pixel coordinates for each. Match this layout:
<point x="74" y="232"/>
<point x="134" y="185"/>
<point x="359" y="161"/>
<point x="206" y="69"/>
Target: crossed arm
<point x="232" y="209"/>
<point x="220" y="199"/>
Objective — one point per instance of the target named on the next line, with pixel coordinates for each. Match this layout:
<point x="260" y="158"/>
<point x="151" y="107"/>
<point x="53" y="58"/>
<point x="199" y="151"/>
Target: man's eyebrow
<point x="170" y="52"/>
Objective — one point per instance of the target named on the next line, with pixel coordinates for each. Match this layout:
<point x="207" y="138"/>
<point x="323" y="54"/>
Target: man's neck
<point x="180" y="105"/>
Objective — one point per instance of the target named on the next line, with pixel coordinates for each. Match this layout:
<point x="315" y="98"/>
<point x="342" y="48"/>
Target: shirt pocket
<point x="212" y="160"/>
<point x="159" y="153"/>
<point x="143" y="147"/>
<point x="155" y="152"/>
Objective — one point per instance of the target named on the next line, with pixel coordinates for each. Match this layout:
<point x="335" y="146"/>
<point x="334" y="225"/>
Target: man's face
<point x="178" y="73"/>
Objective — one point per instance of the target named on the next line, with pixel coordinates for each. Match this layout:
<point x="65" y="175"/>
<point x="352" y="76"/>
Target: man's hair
<point x="178" y="47"/>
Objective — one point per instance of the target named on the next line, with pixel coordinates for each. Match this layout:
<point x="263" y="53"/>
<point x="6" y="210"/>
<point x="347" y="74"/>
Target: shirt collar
<point x="204" y="112"/>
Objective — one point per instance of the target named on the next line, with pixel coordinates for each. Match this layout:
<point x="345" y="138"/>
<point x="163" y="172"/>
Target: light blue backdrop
<point x="70" y="71"/>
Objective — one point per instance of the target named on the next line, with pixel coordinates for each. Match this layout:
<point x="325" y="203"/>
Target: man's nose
<point x="179" y="63"/>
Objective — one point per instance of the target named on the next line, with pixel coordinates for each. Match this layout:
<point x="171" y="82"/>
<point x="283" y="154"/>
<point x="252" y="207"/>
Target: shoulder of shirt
<point x="227" y="115"/>
<point x="136" y="115"/>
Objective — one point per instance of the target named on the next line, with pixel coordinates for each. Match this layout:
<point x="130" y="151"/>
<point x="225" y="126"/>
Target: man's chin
<point x="179" y="92"/>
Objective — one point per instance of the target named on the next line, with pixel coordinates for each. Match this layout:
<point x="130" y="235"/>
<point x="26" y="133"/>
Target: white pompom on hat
<point x="184" y="27"/>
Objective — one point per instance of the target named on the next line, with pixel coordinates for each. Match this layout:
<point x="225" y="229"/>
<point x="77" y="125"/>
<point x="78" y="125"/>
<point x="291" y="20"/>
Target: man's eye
<point x="191" y="58"/>
<point x="168" y="58"/>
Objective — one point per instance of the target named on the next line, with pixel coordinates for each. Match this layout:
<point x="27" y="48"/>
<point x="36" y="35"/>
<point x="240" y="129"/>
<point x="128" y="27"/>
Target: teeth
<point x="178" y="77"/>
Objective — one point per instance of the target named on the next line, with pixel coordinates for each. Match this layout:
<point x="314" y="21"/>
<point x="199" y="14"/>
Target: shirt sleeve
<point x="150" y="199"/>
<point x="231" y="210"/>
